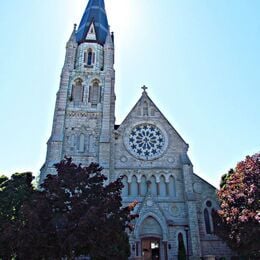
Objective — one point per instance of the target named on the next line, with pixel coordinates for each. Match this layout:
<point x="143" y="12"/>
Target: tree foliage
<point x="76" y="213"/>
<point x="225" y="177"/>
<point x="238" y="220"/>
<point x="3" y="179"/>
<point x="13" y="193"/>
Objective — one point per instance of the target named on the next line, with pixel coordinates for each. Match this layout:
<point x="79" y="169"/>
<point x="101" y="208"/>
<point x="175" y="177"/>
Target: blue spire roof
<point x="96" y="13"/>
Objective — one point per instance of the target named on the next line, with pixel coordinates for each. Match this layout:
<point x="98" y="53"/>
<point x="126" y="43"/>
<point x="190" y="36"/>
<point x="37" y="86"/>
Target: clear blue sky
<point x="199" y="58"/>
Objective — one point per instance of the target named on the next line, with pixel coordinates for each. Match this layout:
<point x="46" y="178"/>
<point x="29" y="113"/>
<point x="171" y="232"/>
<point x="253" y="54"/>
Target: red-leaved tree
<point x="238" y="220"/>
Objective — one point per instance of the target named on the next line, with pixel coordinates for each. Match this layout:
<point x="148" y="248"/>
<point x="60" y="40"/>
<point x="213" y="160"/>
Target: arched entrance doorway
<point x="151" y="239"/>
<point x="151" y="248"/>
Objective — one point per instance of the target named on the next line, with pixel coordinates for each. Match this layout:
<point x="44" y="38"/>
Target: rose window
<point x="146" y="141"/>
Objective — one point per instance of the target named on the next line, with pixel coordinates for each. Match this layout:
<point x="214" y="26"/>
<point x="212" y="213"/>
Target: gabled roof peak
<point x="140" y="103"/>
<point x="95" y="13"/>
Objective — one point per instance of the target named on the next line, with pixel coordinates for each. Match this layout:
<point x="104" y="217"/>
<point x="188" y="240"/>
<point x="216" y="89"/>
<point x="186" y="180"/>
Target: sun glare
<point x="119" y="12"/>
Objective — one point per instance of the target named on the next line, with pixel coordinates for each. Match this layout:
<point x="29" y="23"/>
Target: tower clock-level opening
<point x="151" y="248"/>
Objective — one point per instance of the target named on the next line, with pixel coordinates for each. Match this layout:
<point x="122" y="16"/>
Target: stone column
<point x="194" y="247"/>
<point x="165" y="248"/>
<point x="107" y="124"/>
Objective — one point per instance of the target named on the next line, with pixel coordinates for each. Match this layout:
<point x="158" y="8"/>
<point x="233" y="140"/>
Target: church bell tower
<point x="84" y="114"/>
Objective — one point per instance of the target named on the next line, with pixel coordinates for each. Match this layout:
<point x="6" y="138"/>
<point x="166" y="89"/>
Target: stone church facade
<point x="175" y="204"/>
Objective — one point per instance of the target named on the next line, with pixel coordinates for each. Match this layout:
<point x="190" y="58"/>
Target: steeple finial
<point x="72" y="38"/>
<point x="144" y="88"/>
<point x="109" y="40"/>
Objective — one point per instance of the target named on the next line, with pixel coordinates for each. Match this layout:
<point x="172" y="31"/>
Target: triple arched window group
<point x="82" y="142"/>
<point x="146" y="110"/>
<point x="140" y="186"/>
<point x="94" y="93"/>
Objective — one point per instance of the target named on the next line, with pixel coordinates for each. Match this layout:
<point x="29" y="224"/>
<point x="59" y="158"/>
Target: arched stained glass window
<point x="72" y="140"/>
<point x="125" y="188"/>
<point x="212" y="221"/>
<point x="181" y="247"/>
<point x="153" y="186"/>
<point x="91" y="145"/>
<point x="90" y="54"/>
<point x="162" y="186"/>
<point x="89" y="57"/>
<point x="134" y="186"/>
<point x="143" y="188"/>
<point x="207" y="221"/>
<point x="94" y="93"/>
<point x="145" y="109"/>
<point x="81" y="146"/>
<point x="172" y="188"/>
<point x="77" y="91"/>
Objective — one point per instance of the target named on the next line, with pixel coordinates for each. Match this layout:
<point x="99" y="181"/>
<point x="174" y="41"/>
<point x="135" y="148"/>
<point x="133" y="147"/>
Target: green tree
<point x="13" y="193"/>
<point x="238" y="220"/>
<point x="3" y="179"/>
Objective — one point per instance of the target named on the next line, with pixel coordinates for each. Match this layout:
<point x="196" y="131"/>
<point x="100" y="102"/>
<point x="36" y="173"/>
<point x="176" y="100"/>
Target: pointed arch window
<point x="89" y="62"/>
<point x="89" y="57"/>
<point x="143" y="189"/>
<point x="172" y="187"/>
<point x="77" y="91"/>
<point x="91" y="144"/>
<point x="145" y="108"/>
<point x="134" y="186"/>
<point x="209" y="225"/>
<point x="72" y="141"/>
<point x="181" y="247"/>
<point x="81" y="144"/>
<point x="207" y="221"/>
<point x="94" y="93"/>
<point x="213" y="226"/>
<point x="162" y="186"/>
<point x="153" y="186"/>
<point x="125" y="188"/>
